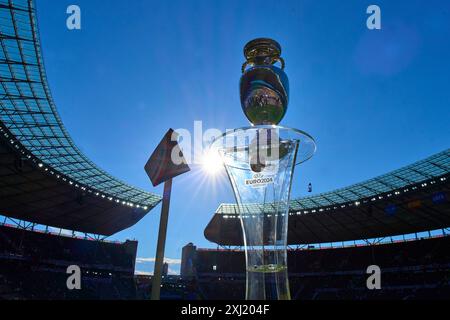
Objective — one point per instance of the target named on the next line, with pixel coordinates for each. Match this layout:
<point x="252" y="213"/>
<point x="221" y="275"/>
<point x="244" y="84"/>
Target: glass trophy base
<point x="260" y="163"/>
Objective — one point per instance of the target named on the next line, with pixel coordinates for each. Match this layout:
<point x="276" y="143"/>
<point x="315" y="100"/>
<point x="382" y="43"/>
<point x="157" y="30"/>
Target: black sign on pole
<point x="166" y="162"/>
<point x="161" y="167"/>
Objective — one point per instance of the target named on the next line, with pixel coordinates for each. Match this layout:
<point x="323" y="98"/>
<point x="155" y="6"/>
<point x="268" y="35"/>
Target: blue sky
<point x="374" y="100"/>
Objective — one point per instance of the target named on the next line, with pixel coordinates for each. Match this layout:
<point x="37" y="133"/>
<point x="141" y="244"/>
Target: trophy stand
<point x="261" y="176"/>
<point x="260" y="162"/>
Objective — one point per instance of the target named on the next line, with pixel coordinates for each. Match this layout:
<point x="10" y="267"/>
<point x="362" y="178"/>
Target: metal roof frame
<point x="28" y="113"/>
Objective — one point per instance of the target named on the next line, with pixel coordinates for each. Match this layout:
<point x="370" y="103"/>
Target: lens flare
<point x="212" y="162"/>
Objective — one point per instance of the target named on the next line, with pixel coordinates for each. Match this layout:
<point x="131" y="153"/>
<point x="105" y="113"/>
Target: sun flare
<point x="211" y="162"/>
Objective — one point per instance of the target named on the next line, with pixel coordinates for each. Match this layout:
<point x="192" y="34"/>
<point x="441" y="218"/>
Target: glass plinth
<point x="260" y="163"/>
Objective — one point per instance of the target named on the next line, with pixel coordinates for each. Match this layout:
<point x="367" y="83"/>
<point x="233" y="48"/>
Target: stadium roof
<point x="396" y="203"/>
<point x="432" y="167"/>
<point x="30" y="122"/>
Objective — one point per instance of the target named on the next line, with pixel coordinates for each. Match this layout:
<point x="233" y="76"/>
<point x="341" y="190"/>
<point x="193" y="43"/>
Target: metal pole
<point x="156" y="283"/>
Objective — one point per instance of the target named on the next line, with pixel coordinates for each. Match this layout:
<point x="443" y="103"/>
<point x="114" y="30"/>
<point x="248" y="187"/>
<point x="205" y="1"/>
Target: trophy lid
<point x="262" y="51"/>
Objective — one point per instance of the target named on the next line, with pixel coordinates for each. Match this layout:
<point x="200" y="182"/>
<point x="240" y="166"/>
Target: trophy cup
<point x="260" y="162"/>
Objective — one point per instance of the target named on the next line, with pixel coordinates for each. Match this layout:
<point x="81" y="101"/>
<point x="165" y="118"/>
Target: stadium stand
<point x="33" y="265"/>
<point x="46" y="180"/>
<point x="408" y="200"/>
<point x="173" y="287"/>
<point x="416" y="269"/>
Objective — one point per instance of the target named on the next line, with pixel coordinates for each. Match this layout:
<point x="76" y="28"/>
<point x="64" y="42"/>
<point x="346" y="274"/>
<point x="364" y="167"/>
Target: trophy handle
<point x="280" y="60"/>
<point x="246" y="64"/>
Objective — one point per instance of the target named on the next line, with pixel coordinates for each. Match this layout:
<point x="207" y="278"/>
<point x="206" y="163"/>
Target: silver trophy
<point x="260" y="162"/>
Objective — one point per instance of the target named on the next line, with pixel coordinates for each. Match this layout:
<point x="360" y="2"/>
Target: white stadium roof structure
<point x="408" y="200"/>
<point x="44" y="177"/>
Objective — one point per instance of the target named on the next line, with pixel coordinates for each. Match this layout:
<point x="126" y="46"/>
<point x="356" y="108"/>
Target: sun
<point x="212" y="162"/>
